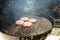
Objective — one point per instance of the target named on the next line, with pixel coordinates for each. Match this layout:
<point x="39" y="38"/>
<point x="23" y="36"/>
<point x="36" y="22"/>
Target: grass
<point x="56" y="29"/>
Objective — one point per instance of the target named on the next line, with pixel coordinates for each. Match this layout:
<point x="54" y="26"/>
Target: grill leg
<point x="26" y="38"/>
<point x="21" y="38"/>
<point x="31" y="37"/>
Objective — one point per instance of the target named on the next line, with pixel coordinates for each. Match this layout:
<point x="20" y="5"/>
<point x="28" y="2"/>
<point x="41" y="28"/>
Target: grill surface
<point x="43" y="25"/>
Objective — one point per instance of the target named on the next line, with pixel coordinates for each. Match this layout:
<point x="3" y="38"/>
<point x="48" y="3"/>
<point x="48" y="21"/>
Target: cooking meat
<point x="19" y="22"/>
<point x="32" y="20"/>
<point x="24" y="18"/>
<point x="27" y="24"/>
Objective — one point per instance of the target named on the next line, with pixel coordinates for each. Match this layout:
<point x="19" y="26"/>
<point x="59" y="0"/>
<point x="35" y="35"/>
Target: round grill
<point x="38" y="31"/>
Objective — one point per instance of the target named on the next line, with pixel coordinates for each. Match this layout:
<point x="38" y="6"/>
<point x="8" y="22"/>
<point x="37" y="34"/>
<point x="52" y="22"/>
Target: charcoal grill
<point x="12" y="10"/>
<point x="33" y="33"/>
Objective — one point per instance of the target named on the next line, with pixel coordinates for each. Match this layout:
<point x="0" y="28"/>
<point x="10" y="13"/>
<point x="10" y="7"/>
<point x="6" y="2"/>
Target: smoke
<point x="14" y="9"/>
<point x="29" y="7"/>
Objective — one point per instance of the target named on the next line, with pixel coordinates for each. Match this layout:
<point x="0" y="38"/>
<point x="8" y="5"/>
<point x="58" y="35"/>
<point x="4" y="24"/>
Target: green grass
<point x="56" y="29"/>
